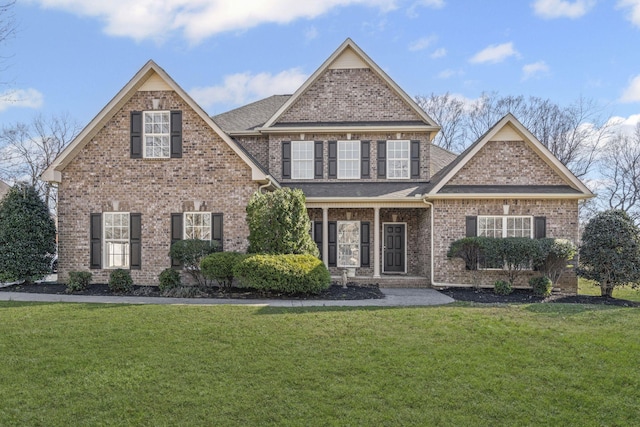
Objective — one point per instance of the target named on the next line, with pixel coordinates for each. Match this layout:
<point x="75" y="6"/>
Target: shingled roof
<point x="250" y="116"/>
<point x="440" y="158"/>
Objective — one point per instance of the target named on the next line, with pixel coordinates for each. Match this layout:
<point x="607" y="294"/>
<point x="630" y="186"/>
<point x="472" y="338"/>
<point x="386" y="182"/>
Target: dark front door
<point x="394" y="248"/>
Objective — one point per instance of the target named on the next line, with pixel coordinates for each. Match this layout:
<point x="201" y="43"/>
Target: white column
<point x="376" y="242"/>
<point x="325" y="236"/>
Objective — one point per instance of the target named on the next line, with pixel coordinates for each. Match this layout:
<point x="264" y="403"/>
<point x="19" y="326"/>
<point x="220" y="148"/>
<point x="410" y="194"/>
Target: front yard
<point x="551" y="364"/>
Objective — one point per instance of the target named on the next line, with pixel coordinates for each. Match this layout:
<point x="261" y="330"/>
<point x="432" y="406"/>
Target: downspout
<point x="432" y="269"/>
<point x="268" y="184"/>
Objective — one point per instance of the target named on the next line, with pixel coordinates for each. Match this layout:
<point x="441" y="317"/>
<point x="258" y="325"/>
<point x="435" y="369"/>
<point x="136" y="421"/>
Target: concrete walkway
<point x="394" y="297"/>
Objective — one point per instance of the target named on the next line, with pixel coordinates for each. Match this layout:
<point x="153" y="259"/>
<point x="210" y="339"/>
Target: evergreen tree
<point x="27" y="235"/>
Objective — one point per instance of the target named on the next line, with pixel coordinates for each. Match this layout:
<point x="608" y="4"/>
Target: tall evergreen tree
<point x="27" y="235"/>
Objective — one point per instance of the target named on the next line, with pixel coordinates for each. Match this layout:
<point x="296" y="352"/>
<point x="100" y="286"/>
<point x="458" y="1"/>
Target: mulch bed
<point x="335" y="292"/>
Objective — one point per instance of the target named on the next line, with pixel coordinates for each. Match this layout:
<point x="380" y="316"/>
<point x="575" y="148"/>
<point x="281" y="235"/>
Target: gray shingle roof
<point x="508" y="189"/>
<point x="385" y="190"/>
<point x="440" y="158"/>
<point x="250" y="116"/>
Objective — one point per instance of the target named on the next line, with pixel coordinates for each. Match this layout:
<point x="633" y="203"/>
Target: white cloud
<point x="422" y="43"/>
<point x="448" y="73"/>
<point x="246" y="87"/>
<point x="624" y="125"/>
<point x="311" y="33"/>
<point x="433" y="4"/>
<point x="21" y="98"/>
<point x="535" y="69"/>
<point x="632" y="92"/>
<point x="199" y="19"/>
<point x="494" y="54"/>
<point x="634" y="6"/>
<point x="439" y="53"/>
<point x="551" y="9"/>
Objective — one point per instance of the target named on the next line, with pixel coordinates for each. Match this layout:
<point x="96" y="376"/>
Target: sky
<point x="73" y="56"/>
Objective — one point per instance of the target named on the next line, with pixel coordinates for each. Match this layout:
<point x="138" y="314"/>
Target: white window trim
<point x="144" y="134"/>
<point x="504" y="231"/>
<point x="184" y="223"/>
<point x="105" y="257"/>
<point x="405" y="245"/>
<point x="293" y="160"/>
<point x="358" y="160"/>
<point x="408" y="159"/>
<point x="338" y="244"/>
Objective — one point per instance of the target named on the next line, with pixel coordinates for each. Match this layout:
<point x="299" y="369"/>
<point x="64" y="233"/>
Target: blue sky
<point x="73" y="56"/>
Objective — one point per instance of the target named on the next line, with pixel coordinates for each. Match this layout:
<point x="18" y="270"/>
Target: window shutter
<point x="364" y="244"/>
<point x="136" y="135"/>
<point x="382" y="159"/>
<point x="176" y="134"/>
<point x="540" y="227"/>
<point x="333" y="159"/>
<point x="135" y="241"/>
<point x="472" y="226"/>
<point x="216" y="230"/>
<point x="176" y="234"/>
<point x="317" y="235"/>
<point x="365" y="153"/>
<point x="95" y="240"/>
<point x="415" y="159"/>
<point x="286" y="159"/>
<point x="318" y="161"/>
<point x="333" y="246"/>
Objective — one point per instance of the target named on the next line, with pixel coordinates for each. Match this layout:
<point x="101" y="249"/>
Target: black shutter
<point x="382" y="159"/>
<point x="95" y="240"/>
<point x="216" y="230"/>
<point x="333" y="159"/>
<point x="317" y="235"/>
<point x="472" y="226"/>
<point x="365" y="152"/>
<point x="333" y="243"/>
<point x="318" y="160"/>
<point x="135" y="241"/>
<point x="364" y="244"/>
<point x="415" y="159"/>
<point x="136" y="135"/>
<point x="540" y="227"/>
<point x="286" y="159"/>
<point x="176" y="134"/>
<point x="176" y="234"/>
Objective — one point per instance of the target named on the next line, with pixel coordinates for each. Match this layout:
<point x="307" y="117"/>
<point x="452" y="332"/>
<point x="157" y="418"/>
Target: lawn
<point x="462" y="364"/>
<point x="587" y="287"/>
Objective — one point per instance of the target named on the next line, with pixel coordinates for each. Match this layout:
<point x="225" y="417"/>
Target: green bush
<point x="468" y="249"/>
<point x="502" y="287"/>
<point x="553" y="257"/>
<point x="78" y="281"/>
<point x="283" y="273"/>
<point x="219" y="267"/>
<point x="541" y="286"/>
<point x="169" y="279"/>
<point x="189" y="253"/>
<point x="120" y="281"/>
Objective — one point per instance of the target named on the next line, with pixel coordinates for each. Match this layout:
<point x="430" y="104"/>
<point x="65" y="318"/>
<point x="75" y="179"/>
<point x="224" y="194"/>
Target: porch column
<point x="376" y="242"/>
<point x="325" y="236"/>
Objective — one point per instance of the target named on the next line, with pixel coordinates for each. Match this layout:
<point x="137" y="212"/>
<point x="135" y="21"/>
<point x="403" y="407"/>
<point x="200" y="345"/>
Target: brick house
<point x="385" y="203"/>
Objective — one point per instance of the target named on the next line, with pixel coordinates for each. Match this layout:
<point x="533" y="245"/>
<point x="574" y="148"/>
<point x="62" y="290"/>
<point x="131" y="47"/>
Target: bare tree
<point x="449" y="112"/>
<point x="7" y="26"/>
<point x="28" y="149"/>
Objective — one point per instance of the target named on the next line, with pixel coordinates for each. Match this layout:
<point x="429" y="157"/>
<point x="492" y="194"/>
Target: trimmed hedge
<point x="541" y="286"/>
<point x="288" y="274"/>
<point x="502" y="287"/>
<point x="169" y="279"/>
<point x="219" y="267"/>
<point x="78" y="281"/>
<point x="120" y="281"/>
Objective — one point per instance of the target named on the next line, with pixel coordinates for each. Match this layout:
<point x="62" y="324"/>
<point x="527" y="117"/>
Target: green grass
<point x="459" y="365"/>
<point x="587" y="287"/>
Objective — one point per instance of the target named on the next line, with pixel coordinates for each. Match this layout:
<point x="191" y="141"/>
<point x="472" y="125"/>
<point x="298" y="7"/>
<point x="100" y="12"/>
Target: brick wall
<point x="209" y="172"/>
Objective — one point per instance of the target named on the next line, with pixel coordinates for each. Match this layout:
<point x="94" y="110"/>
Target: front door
<point x="394" y="248"/>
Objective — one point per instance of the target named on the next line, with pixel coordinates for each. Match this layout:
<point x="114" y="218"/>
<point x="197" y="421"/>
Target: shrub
<point x="502" y="287"/>
<point x="78" y="281"/>
<point x="120" y="281"/>
<point x="169" y="279"/>
<point x="219" y="267"/>
<point x="189" y="253"/>
<point x="468" y="249"/>
<point x="541" y="286"/>
<point x="283" y="273"/>
<point x="553" y="257"/>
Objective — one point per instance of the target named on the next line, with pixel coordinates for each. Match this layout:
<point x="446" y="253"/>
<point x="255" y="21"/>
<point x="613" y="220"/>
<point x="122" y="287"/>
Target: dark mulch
<point x="524" y="296"/>
<point x="335" y="292"/>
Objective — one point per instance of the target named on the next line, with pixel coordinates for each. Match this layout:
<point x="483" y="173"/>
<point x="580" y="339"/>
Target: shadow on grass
<point x="568" y="309"/>
<point x="268" y="310"/>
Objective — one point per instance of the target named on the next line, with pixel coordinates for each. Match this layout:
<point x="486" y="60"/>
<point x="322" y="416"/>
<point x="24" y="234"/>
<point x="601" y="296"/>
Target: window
<point x="397" y="159"/>
<point x="348" y="159"/>
<point x="302" y="159"/>
<point x="157" y="130"/>
<point x="197" y="225"/>
<point x="116" y="239"/>
<point x="505" y="226"/>
<point x="348" y="244"/>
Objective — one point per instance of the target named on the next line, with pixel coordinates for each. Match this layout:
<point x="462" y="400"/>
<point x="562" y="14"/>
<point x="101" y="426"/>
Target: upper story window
<point x="157" y="130"/>
<point x="116" y="239"/>
<point x="302" y="159"/>
<point x="398" y="159"/>
<point x="348" y="159"/>
<point x="505" y="226"/>
<point x="197" y="225"/>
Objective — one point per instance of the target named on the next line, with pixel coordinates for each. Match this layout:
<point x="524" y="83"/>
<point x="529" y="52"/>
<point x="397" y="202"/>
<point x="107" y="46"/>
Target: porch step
<point x="387" y="281"/>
